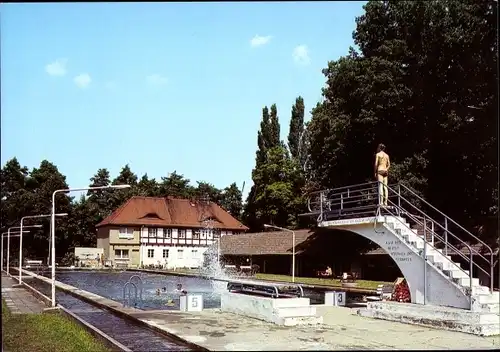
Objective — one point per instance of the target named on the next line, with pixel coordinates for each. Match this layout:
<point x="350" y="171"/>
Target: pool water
<point x="110" y="285"/>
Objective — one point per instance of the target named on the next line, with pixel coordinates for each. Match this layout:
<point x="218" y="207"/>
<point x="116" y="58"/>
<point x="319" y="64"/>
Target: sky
<point x="160" y="86"/>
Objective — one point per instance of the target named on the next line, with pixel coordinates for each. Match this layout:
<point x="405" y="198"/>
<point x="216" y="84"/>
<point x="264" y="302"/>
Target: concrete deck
<point x="342" y="329"/>
<point x="18" y="299"/>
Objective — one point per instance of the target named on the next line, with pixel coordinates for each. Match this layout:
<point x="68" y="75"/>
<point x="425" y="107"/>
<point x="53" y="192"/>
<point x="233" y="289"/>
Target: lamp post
<point x="13" y="235"/>
<point x="8" y="241"/>
<point x="293" y="245"/>
<point x="21" y="238"/>
<point x="53" y="227"/>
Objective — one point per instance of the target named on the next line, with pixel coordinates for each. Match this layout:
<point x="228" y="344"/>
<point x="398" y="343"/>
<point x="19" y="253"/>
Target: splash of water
<point x="213" y="268"/>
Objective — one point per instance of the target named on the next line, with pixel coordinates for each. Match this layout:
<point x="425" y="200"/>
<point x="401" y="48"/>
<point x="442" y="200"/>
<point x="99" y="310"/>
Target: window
<point x="165" y="253"/>
<point x="152" y="231"/>
<point x="195" y="253"/>
<point x="126" y="232"/>
<point x="151" y="253"/>
<point x="121" y="253"/>
<point x="196" y="235"/>
<point x="180" y="254"/>
<point x="167" y="233"/>
<point x="182" y="234"/>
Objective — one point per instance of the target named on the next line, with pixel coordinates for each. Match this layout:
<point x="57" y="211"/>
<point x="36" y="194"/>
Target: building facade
<point x="166" y="232"/>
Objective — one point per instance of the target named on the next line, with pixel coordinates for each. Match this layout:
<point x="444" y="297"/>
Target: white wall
<point x="189" y="258"/>
<point x="439" y="291"/>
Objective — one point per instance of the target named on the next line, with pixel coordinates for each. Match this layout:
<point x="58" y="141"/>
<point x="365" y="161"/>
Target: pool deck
<point x="342" y="329"/>
<point x="18" y="299"/>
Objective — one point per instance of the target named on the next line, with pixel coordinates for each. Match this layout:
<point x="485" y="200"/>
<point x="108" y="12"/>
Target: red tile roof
<point x="168" y="212"/>
<point x="263" y="243"/>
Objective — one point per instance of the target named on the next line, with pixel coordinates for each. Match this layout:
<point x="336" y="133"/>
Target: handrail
<point x="424" y="256"/>
<point x="357" y="199"/>
<point x="447" y="217"/>
<point x="127" y="300"/>
<point x="447" y="231"/>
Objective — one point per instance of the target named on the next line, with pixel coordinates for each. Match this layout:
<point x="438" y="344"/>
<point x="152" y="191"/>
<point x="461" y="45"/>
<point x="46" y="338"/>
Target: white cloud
<point x="82" y="80"/>
<point x="156" y="79"/>
<point x="57" y="68"/>
<point x="301" y="55"/>
<point x="260" y="40"/>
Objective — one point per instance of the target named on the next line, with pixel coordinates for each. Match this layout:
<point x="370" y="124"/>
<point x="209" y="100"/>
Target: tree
<point x="100" y="201"/>
<point x="41" y="184"/>
<point x="13" y="179"/>
<point x="82" y="223"/>
<point x="263" y="138"/>
<point x="126" y="177"/>
<point x="175" y="185"/>
<point x="274" y="128"/>
<point x="231" y="200"/>
<point x="296" y="128"/>
<point x="207" y="191"/>
<point x="421" y="64"/>
<point x="147" y="187"/>
<point x="274" y="191"/>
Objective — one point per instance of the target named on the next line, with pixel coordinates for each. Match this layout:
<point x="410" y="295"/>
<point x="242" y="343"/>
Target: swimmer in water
<point x="157" y="291"/>
<point x="179" y="289"/>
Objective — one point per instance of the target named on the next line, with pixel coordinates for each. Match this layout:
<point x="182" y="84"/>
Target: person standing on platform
<point x="382" y="165"/>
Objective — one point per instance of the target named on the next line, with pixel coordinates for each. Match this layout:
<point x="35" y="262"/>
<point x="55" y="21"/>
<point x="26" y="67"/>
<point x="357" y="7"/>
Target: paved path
<point x="18" y="299"/>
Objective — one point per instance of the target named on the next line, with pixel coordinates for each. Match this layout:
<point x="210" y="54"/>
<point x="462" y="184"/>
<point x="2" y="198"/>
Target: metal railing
<point x="127" y="295"/>
<point x="266" y="289"/>
<point x="363" y="200"/>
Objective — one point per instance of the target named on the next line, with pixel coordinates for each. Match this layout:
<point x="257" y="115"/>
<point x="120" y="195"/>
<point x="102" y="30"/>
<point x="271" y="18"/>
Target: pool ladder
<point x="127" y="294"/>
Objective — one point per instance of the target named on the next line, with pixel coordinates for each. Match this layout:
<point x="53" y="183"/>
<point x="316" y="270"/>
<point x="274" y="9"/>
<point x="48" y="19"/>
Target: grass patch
<point x="47" y="332"/>
<point x="362" y="284"/>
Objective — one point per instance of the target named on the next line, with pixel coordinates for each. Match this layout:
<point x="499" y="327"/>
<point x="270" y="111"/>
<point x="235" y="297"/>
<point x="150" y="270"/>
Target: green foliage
<point x="421" y="66"/>
<point x="275" y="197"/>
<point x="296" y="128"/>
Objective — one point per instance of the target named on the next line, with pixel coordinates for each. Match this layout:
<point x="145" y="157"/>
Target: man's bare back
<point x="383" y="162"/>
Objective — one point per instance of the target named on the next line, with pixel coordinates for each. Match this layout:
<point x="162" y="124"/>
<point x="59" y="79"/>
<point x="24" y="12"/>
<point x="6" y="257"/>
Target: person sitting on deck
<point x="327" y="273"/>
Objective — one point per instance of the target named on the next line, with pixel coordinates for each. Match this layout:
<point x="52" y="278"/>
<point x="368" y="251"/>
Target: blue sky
<point x="160" y="86"/>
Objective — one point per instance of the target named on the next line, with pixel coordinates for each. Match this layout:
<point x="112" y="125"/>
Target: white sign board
<point x="334" y="298"/>
<point x="191" y="303"/>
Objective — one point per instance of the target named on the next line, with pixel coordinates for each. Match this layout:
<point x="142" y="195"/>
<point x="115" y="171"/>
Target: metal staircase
<point x="427" y="231"/>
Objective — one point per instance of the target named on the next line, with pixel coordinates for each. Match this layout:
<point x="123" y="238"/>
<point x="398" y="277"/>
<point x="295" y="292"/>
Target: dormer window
<point x="151" y="216"/>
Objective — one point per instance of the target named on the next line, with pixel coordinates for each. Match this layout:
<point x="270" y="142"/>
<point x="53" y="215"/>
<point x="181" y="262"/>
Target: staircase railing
<point x="363" y="200"/>
<point x="447" y="226"/>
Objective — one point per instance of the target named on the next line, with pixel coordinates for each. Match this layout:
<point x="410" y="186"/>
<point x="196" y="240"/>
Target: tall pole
<point x="21" y="251"/>
<point x="293" y="256"/>
<point x="50" y="233"/>
<point x="1" y="259"/>
<point x="53" y="249"/>
<point x="8" y="250"/>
